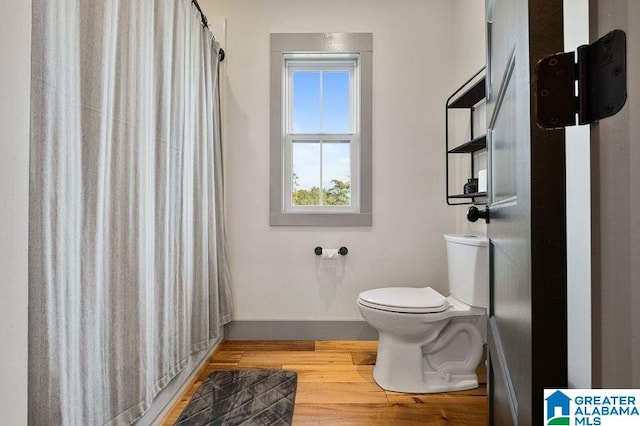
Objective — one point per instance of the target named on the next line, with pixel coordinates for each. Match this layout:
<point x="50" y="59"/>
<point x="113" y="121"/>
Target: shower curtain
<point x="128" y="268"/>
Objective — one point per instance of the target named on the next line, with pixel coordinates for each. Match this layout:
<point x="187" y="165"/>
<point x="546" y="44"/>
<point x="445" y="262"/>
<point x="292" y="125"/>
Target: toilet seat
<point x="404" y="300"/>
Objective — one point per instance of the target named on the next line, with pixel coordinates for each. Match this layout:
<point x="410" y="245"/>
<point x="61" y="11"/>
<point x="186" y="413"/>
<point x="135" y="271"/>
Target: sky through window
<point x="321" y="105"/>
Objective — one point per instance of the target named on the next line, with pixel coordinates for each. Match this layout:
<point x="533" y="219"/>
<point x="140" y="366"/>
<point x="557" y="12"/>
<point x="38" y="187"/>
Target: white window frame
<point x="331" y="47"/>
<point x="322" y="62"/>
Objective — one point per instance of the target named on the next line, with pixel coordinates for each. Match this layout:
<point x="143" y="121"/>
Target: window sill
<point x="320" y="219"/>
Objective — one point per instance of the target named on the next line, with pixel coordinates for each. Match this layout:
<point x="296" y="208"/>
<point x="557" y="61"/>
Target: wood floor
<point x="336" y="386"/>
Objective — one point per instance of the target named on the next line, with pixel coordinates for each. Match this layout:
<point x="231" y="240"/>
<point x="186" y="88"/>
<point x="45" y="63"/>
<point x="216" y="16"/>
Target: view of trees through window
<point x="337" y="195"/>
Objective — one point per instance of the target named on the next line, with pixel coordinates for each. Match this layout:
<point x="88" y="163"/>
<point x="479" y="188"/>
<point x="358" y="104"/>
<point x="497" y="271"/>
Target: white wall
<point x="576" y="28"/>
<point x="15" y="48"/>
<point x="470" y="54"/>
<point x="469" y="38"/>
<point x="616" y="214"/>
<point x="276" y="276"/>
<point x="633" y="32"/>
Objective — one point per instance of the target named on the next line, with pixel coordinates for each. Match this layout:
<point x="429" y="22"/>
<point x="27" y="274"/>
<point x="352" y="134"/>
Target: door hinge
<point x="601" y="73"/>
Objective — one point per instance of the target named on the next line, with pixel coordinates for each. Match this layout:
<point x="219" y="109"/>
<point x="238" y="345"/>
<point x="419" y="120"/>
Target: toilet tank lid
<point x="424" y="298"/>
<point x="470" y="240"/>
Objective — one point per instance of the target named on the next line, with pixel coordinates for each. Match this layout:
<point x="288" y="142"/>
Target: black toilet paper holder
<point x="342" y="251"/>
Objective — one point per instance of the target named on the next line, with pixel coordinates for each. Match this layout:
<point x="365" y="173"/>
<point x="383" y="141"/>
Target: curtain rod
<point x="205" y="23"/>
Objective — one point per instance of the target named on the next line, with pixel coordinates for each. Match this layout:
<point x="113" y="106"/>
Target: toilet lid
<point x="404" y="299"/>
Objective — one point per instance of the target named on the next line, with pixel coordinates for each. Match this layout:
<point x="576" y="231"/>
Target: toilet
<point x="428" y="342"/>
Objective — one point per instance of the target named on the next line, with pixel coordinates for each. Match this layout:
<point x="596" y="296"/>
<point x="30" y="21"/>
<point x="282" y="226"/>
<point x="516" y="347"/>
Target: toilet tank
<point x="468" y="261"/>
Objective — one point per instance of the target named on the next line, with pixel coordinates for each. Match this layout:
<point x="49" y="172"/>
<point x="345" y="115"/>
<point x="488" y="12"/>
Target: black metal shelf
<point x="470" y="195"/>
<point x="467" y="97"/>
<point x="476" y="199"/>
<point x="471" y="96"/>
<point x="472" y="146"/>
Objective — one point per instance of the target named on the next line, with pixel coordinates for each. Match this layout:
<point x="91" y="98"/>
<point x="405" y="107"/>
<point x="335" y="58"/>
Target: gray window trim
<point x="361" y="43"/>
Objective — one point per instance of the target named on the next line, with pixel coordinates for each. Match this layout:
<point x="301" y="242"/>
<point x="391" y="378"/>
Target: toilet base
<point x="433" y="383"/>
<point x="432" y="365"/>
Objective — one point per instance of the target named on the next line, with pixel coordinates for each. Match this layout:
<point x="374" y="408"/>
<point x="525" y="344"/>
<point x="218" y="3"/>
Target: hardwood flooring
<point x="336" y="386"/>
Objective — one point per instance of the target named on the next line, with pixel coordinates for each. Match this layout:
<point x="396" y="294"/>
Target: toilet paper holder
<point x="341" y="251"/>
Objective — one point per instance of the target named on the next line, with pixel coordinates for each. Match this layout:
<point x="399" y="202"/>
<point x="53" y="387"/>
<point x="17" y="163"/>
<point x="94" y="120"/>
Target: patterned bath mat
<point x="242" y="397"/>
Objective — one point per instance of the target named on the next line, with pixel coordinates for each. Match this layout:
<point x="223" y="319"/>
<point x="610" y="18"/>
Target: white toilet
<point x="427" y="342"/>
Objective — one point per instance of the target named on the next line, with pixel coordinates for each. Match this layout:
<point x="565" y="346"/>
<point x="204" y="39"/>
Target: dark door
<point x="527" y="316"/>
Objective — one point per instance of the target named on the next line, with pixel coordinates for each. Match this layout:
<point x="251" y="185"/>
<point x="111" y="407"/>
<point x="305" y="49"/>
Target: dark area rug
<point x="243" y="397"/>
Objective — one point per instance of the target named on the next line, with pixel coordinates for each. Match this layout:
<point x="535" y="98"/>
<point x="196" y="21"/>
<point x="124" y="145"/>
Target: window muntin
<point x="321" y="138"/>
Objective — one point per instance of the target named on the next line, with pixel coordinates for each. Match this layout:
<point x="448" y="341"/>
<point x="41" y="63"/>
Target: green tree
<point x="306" y="197"/>
<point x="338" y="195"/>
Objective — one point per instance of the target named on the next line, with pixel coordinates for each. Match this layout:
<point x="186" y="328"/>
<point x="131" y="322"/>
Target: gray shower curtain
<point x="128" y="268"/>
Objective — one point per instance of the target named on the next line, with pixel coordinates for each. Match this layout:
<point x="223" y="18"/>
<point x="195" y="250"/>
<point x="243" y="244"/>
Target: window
<point x="321" y="129"/>
<point x="321" y="133"/>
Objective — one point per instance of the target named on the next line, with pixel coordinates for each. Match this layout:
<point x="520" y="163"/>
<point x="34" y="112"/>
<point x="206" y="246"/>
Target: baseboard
<point x="299" y="330"/>
<point x="165" y="400"/>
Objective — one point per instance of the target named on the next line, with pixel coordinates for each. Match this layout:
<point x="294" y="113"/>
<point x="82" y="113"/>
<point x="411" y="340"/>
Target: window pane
<point x="305" y="181"/>
<point x="336" y="114"/>
<point x="336" y="173"/>
<point x="306" y="102"/>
